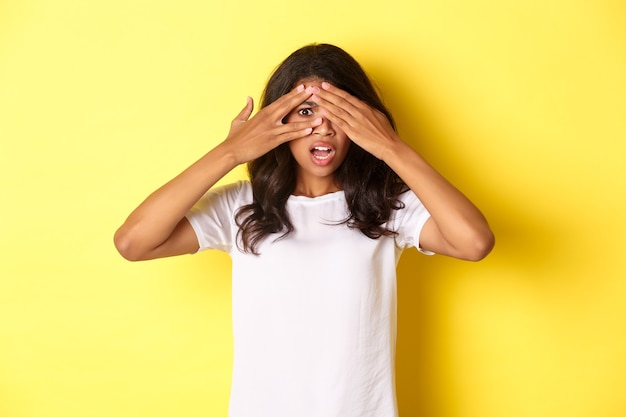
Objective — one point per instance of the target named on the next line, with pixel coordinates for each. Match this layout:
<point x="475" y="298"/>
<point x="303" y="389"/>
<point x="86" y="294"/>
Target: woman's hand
<point x="456" y="227"/>
<point x="158" y="228"/>
<point x="251" y="138"/>
<point x="364" y="125"/>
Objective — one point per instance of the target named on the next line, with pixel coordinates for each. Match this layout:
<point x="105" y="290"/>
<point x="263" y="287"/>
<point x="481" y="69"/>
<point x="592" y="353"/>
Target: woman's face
<point x="319" y="154"/>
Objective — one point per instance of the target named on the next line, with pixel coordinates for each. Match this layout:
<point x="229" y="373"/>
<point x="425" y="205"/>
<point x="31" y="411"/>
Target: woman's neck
<point x="316" y="187"/>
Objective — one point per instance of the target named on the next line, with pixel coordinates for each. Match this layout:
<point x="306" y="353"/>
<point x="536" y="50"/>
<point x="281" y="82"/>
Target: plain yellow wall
<point x="522" y="104"/>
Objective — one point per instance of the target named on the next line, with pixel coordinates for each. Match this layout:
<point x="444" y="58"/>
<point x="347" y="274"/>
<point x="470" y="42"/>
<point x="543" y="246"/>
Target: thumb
<point x="245" y="113"/>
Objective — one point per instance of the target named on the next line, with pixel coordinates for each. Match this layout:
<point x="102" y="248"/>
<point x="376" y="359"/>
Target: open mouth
<point x="321" y="152"/>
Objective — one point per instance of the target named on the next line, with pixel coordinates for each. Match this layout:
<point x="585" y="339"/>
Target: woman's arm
<point x="456" y="227"/>
<point x="158" y="228"/>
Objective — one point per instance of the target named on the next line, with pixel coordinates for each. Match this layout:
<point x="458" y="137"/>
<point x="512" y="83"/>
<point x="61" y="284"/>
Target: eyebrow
<point x="308" y="103"/>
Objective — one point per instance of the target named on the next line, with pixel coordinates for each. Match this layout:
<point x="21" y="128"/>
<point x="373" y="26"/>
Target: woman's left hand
<point x="456" y="227"/>
<point x="364" y="125"/>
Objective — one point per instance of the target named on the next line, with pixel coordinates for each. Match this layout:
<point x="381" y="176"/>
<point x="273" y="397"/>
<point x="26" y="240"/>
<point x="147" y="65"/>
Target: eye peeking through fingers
<point x="304" y="110"/>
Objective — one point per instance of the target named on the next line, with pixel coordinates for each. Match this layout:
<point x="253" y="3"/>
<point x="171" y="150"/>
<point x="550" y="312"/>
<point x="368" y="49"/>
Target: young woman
<point x="334" y="197"/>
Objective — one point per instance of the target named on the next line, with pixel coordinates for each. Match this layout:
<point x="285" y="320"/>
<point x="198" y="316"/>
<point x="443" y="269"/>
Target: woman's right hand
<point x="249" y="139"/>
<point x="158" y="227"/>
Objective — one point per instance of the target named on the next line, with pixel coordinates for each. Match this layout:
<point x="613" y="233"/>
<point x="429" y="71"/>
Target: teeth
<point x="321" y="152"/>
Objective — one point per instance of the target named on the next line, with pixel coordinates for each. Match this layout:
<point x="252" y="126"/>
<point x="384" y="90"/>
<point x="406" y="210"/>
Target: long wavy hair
<point x="370" y="186"/>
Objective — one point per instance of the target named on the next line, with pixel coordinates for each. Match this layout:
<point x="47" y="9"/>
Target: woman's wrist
<point x="395" y="150"/>
<point x="227" y="154"/>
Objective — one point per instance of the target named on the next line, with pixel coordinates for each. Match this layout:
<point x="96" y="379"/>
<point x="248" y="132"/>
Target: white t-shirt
<point x="314" y="315"/>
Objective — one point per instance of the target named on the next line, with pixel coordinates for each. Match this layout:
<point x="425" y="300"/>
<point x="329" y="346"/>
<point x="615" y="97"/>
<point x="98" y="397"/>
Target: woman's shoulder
<point x="239" y="192"/>
<point x="237" y="187"/>
<point x="409" y="206"/>
<point x="408" y="196"/>
<point x="228" y="196"/>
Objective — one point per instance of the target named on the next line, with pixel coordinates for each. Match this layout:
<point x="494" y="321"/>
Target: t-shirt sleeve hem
<point x="417" y="237"/>
<point x="197" y="229"/>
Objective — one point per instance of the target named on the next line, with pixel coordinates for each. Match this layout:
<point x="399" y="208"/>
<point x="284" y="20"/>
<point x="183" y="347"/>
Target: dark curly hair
<point x="370" y="186"/>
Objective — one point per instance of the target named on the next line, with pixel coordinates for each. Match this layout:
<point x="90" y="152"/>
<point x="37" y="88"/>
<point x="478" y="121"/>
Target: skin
<point x="456" y="227"/>
<point x="158" y="228"/>
<point x="314" y="179"/>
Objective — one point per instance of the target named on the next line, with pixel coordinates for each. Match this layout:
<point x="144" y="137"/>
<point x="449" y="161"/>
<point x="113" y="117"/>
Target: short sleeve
<point x="213" y="216"/>
<point x="409" y="221"/>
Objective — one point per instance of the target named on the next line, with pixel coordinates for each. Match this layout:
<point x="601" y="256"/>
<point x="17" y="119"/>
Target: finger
<point x="285" y="104"/>
<point x="292" y="135"/>
<point x="331" y="89"/>
<point x="335" y="113"/>
<point x="339" y="97"/>
<point x="296" y="130"/>
<point x="344" y="105"/>
<point x="299" y="125"/>
<point x="245" y="113"/>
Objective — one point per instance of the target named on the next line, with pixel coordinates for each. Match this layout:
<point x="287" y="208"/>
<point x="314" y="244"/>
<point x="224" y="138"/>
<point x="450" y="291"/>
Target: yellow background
<point x="522" y="104"/>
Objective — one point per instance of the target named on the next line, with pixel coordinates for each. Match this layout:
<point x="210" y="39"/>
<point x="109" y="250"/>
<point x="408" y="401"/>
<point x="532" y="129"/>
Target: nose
<point x="324" y="129"/>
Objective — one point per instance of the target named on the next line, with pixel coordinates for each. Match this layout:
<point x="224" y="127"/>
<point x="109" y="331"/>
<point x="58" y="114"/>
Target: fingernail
<point x="317" y="121"/>
<point x="315" y="98"/>
<point x="308" y="130"/>
<point x="325" y="85"/>
<point x="309" y="89"/>
<point x="300" y="88"/>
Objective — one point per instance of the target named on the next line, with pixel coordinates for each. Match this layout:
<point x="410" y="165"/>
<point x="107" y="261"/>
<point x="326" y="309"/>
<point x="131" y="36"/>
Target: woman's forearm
<point x="460" y="229"/>
<point x="154" y="220"/>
